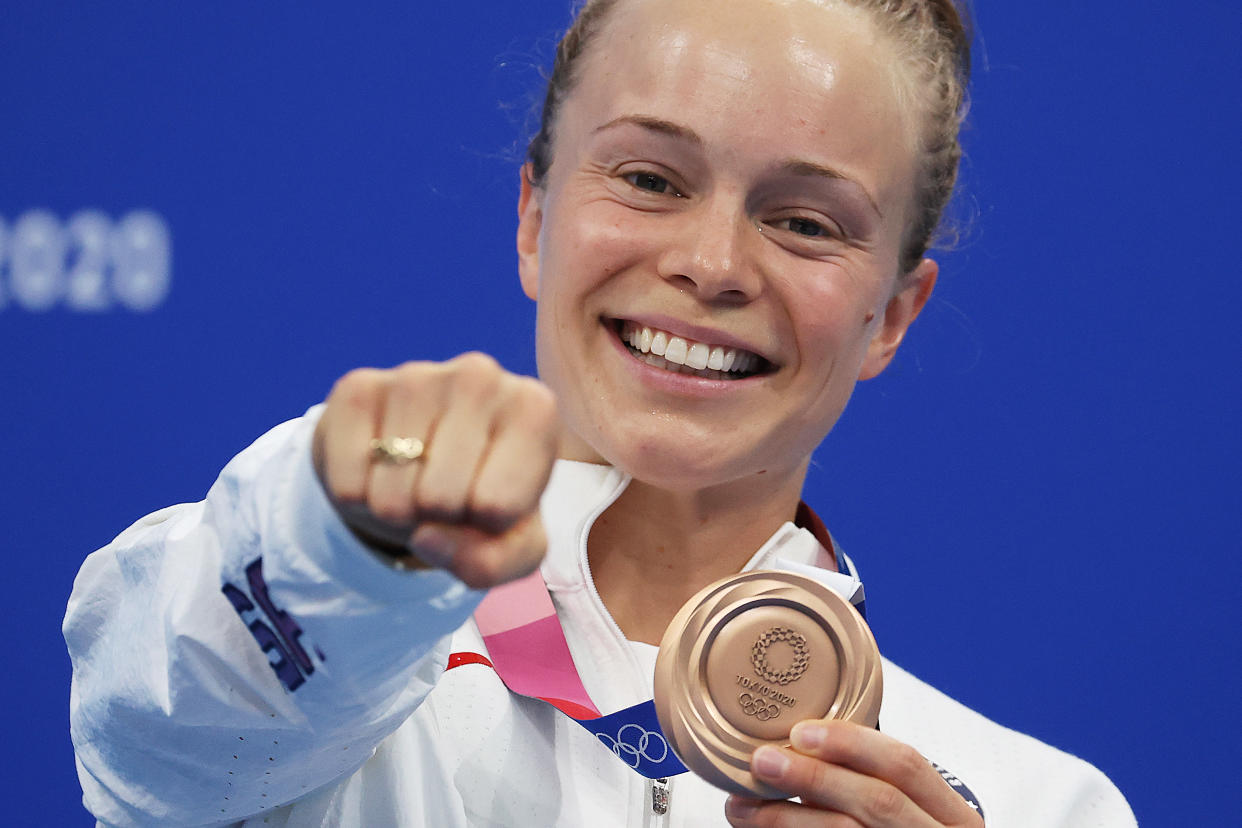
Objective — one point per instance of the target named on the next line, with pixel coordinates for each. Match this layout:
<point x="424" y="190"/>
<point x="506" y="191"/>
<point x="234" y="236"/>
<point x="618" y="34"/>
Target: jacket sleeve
<point x="232" y="655"/>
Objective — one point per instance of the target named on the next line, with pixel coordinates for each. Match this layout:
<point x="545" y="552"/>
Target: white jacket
<point x="179" y="718"/>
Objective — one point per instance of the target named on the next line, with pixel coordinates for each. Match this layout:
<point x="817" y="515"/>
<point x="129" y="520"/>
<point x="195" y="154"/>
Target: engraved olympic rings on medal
<point x="632" y="752"/>
<point x="752" y="706"/>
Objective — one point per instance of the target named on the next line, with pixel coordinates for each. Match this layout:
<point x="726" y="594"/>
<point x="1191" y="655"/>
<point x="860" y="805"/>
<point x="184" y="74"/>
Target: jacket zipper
<point x="661" y="798"/>
<point x="660" y="789"/>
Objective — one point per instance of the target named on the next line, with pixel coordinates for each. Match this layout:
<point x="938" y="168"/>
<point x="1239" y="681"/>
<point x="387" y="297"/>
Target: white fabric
<point x="178" y="719"/>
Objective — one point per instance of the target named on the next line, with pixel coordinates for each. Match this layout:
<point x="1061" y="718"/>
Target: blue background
<point x="1042" y="493"/>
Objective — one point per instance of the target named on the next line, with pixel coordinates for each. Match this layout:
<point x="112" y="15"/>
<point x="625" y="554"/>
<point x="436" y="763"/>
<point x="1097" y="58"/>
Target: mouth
<point x="678" y="355"/>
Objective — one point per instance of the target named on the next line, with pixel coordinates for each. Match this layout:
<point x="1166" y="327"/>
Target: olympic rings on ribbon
<point x="634" y="752"/>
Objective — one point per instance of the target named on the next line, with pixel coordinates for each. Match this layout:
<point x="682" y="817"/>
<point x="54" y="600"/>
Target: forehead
<point x="806" y="79"/>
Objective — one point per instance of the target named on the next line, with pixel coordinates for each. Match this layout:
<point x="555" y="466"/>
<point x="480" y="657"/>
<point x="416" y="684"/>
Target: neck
<point x="653" y="549"/>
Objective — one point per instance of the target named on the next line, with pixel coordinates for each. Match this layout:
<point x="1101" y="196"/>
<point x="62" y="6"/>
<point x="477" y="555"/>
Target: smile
<point x="661" y="349"/>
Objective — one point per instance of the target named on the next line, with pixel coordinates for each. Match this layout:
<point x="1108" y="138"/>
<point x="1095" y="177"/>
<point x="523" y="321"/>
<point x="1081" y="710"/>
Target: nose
<point x="707" y="253"/>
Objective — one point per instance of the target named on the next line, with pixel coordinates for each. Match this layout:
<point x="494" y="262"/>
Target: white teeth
<point x="697" y="356"/>
<point x="687" y="357"/>
<point x="659" y="343"/>
<point x="676" y="350"/>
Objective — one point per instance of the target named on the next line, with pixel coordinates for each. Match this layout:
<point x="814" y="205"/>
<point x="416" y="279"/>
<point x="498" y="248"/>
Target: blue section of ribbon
<point x="634" y="735"/>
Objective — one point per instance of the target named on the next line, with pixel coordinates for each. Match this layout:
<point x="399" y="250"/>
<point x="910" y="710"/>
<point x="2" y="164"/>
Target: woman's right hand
<point x="470" y="503"/>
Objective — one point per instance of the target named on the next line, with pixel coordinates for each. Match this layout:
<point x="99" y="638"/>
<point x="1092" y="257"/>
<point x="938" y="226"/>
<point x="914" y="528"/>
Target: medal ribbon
<point x="527" y="648"/>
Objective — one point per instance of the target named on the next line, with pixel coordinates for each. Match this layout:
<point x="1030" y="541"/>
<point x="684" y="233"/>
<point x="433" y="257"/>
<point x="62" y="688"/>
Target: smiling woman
<point x="723" y="222"/>
<point x="724" y="193"/>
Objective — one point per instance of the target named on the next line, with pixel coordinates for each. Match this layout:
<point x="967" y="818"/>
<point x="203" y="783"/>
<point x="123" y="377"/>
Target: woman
<point x="723" y="222"/>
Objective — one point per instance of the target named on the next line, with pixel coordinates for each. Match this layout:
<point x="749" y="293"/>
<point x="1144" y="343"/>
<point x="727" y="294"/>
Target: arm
<point x="235" y="654"/>
<point x="171" y="681"/>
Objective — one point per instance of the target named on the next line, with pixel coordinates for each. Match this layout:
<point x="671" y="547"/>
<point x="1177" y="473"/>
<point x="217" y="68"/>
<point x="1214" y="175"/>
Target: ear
<point x="913" y="290"/>
<point x="530" y="222"/>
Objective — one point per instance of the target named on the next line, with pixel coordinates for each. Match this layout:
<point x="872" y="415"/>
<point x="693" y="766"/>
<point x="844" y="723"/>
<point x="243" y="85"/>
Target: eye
<point x="805" y="227"/>
<point x="652" y="183"/>
<point x="817" y="229"/>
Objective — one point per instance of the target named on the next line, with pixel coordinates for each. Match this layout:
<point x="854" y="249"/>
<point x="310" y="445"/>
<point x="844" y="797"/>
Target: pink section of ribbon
<point x="527" y="646"/>
<point x="514" y="604"/>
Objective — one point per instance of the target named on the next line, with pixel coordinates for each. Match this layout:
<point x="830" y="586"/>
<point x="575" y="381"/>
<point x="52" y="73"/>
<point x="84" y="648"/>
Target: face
<point x="714" y="248"/>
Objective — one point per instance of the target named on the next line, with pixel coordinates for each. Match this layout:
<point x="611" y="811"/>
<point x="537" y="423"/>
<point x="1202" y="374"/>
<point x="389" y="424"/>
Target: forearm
<point x="232" y="655"/>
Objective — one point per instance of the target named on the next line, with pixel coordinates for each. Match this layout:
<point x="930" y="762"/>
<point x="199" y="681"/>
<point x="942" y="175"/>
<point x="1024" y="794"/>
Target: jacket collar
<point x="578" y="493"/>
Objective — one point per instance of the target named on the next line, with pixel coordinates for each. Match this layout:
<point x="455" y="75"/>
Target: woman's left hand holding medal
<point x="849" y="775"/>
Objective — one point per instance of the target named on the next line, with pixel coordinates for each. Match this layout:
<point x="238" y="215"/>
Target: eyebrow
<point x="655" y="125"/>
<point x="793" y="166"/>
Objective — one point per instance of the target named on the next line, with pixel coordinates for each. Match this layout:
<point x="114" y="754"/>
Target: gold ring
<point x="398" y="450"/>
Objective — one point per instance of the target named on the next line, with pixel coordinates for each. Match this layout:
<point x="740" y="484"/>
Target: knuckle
<point x="440" y="508"/>
<point x="478" y="379"/>
<point x="535" y="399"/>
<point x="410" y="376"/>
<point x="908" y="764"/>
<point x="492" y="515"/>
<point x="358" y="388"/>
<point x="787" y="818"/>
<point x="476" y="361"/>
<point x="345" y="491"/>
<point x="776" y="818"/>
<point x="819" y="776"/>
<point x="842" y="744"/>
<point x="886" y="803"/>
<point x="532" y="410"/>
<point x="391" y="508"/>
<point x="412" y="393"/>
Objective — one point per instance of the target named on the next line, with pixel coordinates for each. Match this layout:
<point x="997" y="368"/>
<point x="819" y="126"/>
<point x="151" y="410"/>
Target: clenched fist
<point x="470" y="503"/>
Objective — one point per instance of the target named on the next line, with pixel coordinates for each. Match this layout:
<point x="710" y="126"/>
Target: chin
<point x="677" y="463"/>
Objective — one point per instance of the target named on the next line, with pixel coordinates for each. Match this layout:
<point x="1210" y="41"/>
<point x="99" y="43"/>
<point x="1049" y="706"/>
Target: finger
<point x="411" y="406"/>
<point x="480" y="559"/>
<point x="461" y="438"/>
<point x="350" y="418"/>
<point x="519" y="461"/>
<point x="872" y="802"/>
<point x="877" y="755"/>
<point x="758" y="813"/>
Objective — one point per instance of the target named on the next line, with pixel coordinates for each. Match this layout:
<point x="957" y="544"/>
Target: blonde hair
<point x="933" y="40"/>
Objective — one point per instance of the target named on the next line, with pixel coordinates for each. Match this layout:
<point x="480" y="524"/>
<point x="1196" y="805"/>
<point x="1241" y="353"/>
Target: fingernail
<point x="770" y="762"/>
<point x="739" y="808"/>
<point x="808" y="736"/>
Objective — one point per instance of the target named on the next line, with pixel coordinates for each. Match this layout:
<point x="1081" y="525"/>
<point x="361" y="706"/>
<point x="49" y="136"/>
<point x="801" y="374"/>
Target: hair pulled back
<point x="933" y="40"/>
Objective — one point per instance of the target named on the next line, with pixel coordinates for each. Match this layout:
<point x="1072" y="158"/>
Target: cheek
<point x="591" y="249"/>
<point x="829" y="314"/>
